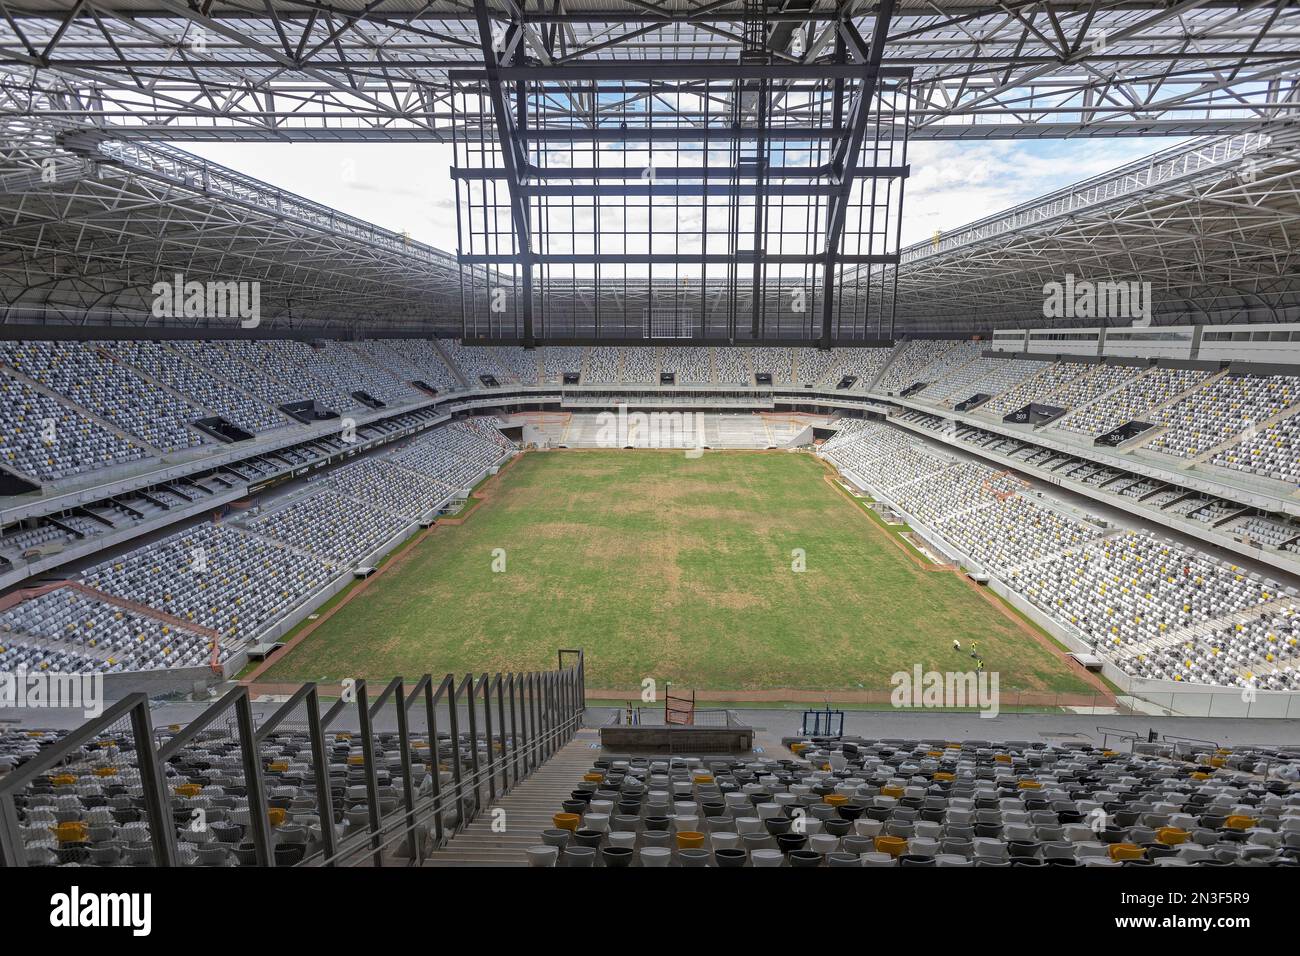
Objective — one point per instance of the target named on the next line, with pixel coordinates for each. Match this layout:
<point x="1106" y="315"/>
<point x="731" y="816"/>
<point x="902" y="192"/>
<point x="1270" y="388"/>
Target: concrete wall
<point x="157" y="683"/>
<point x="698" y="740"/>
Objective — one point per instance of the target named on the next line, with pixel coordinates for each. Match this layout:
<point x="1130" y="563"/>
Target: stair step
<point x="528" y="808"/>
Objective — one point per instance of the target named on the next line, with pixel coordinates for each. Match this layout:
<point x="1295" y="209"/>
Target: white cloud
<point x="406" y="186"/>
<point x="399" y="186"/>
<point x="956" y="183"/>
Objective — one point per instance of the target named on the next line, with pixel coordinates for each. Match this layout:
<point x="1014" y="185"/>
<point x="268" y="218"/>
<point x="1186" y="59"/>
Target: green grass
<point x="677" y="569"/>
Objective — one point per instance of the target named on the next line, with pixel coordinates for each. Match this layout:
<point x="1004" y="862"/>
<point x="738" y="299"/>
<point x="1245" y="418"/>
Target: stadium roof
<point x="347" y="69"/>
<point x="1213" y="225"/>
<point x="96" y="209"/>
<point x="84" y="235"/>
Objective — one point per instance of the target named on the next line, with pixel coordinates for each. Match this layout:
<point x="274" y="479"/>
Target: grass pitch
<point x="677" y="569"/>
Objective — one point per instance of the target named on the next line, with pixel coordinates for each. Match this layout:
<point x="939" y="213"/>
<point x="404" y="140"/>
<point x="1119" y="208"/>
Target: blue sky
<point x="405" y="186"/>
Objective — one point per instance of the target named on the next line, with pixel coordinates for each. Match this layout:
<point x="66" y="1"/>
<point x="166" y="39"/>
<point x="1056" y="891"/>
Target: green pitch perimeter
<point x="661" y="566"/>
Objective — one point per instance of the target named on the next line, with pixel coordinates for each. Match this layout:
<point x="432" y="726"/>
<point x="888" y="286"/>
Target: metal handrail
<point x="545" y="710"/>
<point x="426" y="806"/>
<point x="435" y="802"/>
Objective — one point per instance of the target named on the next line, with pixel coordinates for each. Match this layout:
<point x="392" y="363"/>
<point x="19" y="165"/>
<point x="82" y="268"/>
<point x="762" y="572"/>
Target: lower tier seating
<point x="887" y="803"/>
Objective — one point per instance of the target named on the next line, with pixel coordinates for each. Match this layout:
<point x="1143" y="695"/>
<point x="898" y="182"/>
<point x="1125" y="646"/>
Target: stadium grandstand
<point x="690" y="503"/>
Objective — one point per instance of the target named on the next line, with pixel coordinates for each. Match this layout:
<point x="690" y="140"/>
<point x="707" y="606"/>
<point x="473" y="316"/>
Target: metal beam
<point x="847" y="157"/>
<point x="511" y="156"/>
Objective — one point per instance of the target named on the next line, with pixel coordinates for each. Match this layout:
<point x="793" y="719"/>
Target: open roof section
<point x="616" y="194"/>
<point x="350" y="70"/>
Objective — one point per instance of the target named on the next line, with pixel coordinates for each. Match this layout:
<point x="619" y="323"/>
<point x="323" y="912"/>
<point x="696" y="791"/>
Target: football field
<point x="744" y="572"/>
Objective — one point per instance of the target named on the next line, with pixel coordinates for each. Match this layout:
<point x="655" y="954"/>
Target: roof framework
<point x="348" y="70"/>
<point x="1213" y="225"/>
<point x="652" y="181"/>
<point x="84" y="233"/>
<point x="87" y="228"/>
<point x="94" y="210"/>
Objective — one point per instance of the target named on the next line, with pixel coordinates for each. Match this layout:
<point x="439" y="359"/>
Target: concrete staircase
<point x="494" y="839"/>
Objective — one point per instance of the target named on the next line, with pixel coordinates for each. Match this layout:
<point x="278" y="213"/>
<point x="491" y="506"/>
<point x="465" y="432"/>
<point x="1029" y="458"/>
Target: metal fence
<point x="654" y="717"/>
<point x="374" y="780"/>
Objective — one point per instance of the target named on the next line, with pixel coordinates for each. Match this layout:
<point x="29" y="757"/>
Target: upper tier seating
<point x="603" y="363"/>
<point x="640" y="365"/>
<point x="865" y="363"/>
<point x="732" y="366"/>
<point x="519" y="364"/>
<point x="89" y="376"/>
<point x="1134" y="401"/>
<point x="1094" y="382"/>
<point x="350" y="370"/>
<point x="1221" y="410"/>
<point x="777" y="362"/>
<point x="223" y="363"/>
<point x="558" y="359"/>
<point x="203" y="387"/>
<point x="416" y="360"/>
<point x="815" y="366"/>
<point x="1273" y="451"/>
<point x="932" y="360"/>
<point x="988" y="376"/>
<point x="287" y="364"/>
<point x="691" y="365"/>
<point x="28" y="418"/>
<point x="475" y="361"/>
<point x="1039" y="387"/>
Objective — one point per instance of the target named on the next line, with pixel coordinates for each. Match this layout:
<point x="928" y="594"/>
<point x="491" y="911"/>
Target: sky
<point x="406" y="187"/>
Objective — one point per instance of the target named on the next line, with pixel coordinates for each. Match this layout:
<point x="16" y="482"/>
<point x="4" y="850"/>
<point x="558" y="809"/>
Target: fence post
<point x="471" y="704"/>
<point x="157" y="804"/>
<point x="548" y="708"/>
<point x="404" y="750"/>
<point x="514" y="728"/>
<point x="431" y="717"/>
<point x="501" y="723"/>
<point x="453" y="717"/>
<point x="324" y="798"/>
<point x="258" y="816"/>
<point x="12" y="850"/>
<point x="487" y="738"/>
<point x="524" y="726"/>
<point x="535" y="705"/>
<point x="368" y="762"/>
<point x="570" y="703"/>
